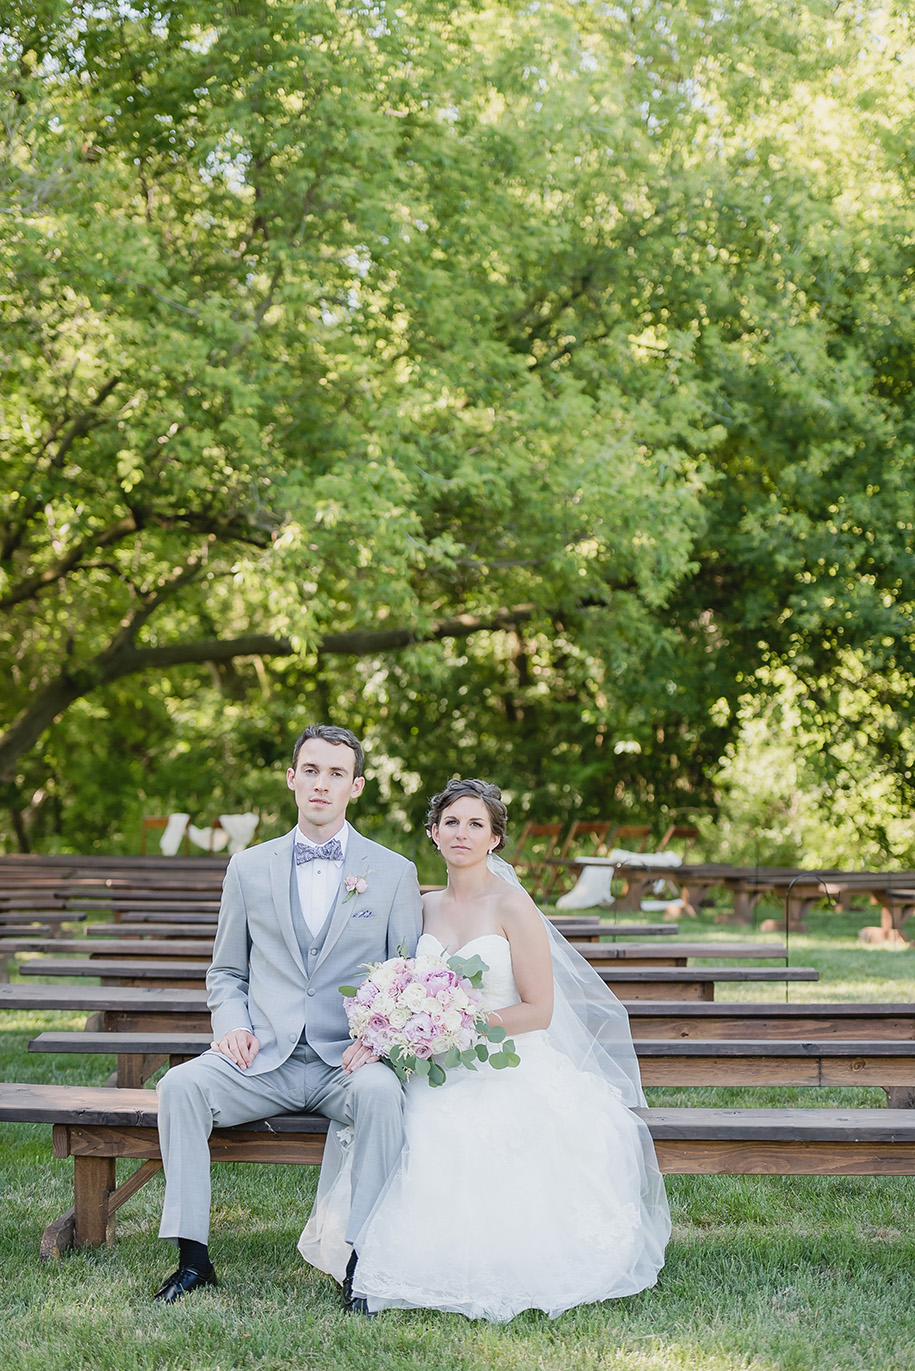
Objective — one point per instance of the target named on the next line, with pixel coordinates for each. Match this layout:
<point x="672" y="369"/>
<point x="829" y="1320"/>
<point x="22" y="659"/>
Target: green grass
<point x="763" y="1273"/>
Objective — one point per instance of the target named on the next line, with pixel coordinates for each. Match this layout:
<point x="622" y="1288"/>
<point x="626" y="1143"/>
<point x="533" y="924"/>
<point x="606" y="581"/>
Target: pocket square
<point x="364" y="914"/>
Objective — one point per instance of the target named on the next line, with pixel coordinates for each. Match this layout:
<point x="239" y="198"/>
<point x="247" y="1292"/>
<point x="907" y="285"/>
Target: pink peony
<point x="437" y="981"/>
<point x="420" y="1032"/>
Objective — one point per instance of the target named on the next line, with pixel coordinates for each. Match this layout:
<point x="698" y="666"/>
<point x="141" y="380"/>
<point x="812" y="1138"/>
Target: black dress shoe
<point x="354" y="1304"/>
<point x="357" y="1305"/>
<point x="348" y="1280"/>
<point x="182" y="1281"/>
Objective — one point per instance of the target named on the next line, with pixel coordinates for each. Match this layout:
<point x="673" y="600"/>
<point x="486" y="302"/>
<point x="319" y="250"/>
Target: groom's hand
<point x="356" y="1055"/>
<point x="240" y="1046"/>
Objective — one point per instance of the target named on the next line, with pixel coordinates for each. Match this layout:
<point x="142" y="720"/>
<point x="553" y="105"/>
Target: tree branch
<point x="122" y="658"/>
<point x="33" y="585"/>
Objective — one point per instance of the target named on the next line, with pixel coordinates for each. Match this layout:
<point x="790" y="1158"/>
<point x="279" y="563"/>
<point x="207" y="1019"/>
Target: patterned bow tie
<point x="331" y="851"/>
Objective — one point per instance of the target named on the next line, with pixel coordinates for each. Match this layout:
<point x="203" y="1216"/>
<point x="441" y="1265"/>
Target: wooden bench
<point x="768" y="1020"/>
<point x="122" y="973"/>
<point x="888" y="1065"/>
<point x="96" y="1126"/>
<point x="144" y="1009"/>
<point x="117" y="1008"/>
<point x="50" y="920"/>
<point x="643" y="954"/>
<point x="635" y="954"/>
<point x="628" y="983"/>
<point x="140" y="916"/>
<point x="108" y="949"/>
<point x="141" y="927"/>
<point x="631" y="983"/>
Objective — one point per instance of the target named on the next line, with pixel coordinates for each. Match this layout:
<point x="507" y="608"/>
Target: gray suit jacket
<point x="258" y="978"/>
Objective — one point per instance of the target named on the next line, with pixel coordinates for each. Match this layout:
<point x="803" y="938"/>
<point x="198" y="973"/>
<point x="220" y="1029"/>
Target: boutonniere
<point x="354" y="885"/>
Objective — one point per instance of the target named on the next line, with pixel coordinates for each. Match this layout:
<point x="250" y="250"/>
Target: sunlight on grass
<point x="763" y="1273"/>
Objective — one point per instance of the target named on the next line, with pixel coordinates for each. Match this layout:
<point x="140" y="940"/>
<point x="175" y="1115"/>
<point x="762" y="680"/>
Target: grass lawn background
<point x="762" y="1273"/>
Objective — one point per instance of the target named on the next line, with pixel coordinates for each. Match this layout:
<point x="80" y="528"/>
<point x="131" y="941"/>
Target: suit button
<point x="293" y="1038"/>
<point x="310" y="991"/>
<point x="312" y="952"/>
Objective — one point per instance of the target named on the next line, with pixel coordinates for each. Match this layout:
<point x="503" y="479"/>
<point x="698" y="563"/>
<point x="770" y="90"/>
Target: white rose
<point x="452" y="1020"/>
<point x="383" y="977"/>
<point x="399" y="1016"/>
<point x="426" y="964"/>
<point x="383" y="1004"/>
<point x="414" y="997"/>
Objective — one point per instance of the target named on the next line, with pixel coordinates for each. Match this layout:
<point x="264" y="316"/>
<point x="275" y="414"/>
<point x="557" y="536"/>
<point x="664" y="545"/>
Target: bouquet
<point x="422" y="1016"/>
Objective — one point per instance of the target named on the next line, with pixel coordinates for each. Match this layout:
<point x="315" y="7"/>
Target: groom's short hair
<point x="330" y="733"/>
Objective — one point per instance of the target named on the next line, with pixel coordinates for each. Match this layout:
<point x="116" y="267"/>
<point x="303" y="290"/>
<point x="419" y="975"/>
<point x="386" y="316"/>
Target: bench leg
<point x="58" y="1237"/>
<point x="93" y="1183"/>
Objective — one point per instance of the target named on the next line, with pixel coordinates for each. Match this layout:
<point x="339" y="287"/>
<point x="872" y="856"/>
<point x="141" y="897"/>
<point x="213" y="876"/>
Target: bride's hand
<point x="356" y="1055"/>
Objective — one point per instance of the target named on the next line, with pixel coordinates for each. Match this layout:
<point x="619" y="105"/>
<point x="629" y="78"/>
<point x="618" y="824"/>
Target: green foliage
<point x="593" y="325"/>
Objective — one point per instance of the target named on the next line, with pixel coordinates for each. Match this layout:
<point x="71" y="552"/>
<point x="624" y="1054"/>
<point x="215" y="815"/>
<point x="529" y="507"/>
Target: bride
<point x="529" y="1188"/>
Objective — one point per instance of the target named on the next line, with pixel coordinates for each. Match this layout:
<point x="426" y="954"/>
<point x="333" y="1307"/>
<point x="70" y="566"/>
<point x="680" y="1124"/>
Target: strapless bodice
<point x="498" y="989"/>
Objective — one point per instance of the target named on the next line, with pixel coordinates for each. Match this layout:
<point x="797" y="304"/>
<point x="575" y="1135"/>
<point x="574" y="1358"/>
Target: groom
<point x="299" y="916"/>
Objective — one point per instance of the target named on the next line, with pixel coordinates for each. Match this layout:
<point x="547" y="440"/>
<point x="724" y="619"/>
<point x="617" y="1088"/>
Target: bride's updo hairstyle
<point x="457" y="789"/>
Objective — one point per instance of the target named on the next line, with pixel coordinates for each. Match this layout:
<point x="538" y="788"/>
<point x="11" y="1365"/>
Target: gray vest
<point x="309" y="944"/>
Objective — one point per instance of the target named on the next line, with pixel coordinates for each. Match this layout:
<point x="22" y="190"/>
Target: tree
<point x="543" y="334"/>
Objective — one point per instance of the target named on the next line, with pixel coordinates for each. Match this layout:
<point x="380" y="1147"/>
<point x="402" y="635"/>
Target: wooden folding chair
<point x="677" y="833"/>
<point x="543" y="839"/>
<point x="597" y="830"/>
<point x="625" y="834"/>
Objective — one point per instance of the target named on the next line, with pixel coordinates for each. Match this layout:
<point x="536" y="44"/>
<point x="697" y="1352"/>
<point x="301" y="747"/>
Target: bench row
<point x="144" y="1009"/>
<point x="96" y="1126"/>
<point x="628" y="982"/>
<point x="885" y="1064"/>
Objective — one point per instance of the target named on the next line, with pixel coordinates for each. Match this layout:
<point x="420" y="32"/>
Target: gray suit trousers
<point x="210" y="1092"/>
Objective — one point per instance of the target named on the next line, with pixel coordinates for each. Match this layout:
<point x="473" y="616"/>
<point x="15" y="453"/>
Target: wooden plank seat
<point x="632" y="983"/>
<point x="52" y="918"/>
<point x="886" y="1064"/>
<point x="139" y="1055"/>
<point x="122" y="1008"/>
<point x="34" y="934"/>
<point x="139" y="916"/>
<point x="192" y="927"/>
<point x="627" y="982"/>
<point x="177" y="948"/>
<point x="148" y="929"/>
<point x="767" y="1020"/>
<point x="643" y="954"/>
<point x="96" y="1126"/>
<point x="117" y="1008"/>
<point x="106" y="949"/>
<point x="123" y="972"/>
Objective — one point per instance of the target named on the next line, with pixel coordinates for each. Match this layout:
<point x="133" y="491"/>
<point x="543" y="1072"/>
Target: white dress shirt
<point x="319" y="881"/>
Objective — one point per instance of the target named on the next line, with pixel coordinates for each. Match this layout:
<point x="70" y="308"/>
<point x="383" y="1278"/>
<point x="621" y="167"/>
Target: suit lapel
<point x="356" y="864"/>
<point x="280" y="877"/>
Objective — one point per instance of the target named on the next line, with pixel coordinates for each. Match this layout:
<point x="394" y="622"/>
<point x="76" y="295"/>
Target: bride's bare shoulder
<point x="517" y="907"/>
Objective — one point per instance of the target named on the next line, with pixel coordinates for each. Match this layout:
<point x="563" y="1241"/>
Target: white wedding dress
<point x="533" y="1187"/>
